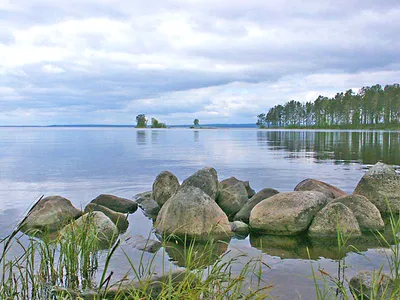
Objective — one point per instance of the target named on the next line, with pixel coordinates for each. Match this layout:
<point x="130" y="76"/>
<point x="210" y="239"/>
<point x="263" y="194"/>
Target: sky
<point x="220" y="61"/>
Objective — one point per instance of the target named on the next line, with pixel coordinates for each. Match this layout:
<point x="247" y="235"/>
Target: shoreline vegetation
<point x="372" y="107"/>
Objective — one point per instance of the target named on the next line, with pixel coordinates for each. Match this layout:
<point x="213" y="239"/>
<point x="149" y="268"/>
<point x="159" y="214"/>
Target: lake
<point x="81" y="163"/>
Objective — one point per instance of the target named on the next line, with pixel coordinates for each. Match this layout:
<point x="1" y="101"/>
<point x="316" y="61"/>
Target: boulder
<point x="244" y="213"/>
<point x="164" y="187"/>
<point x="50" y="214"/>
<point x="240" y="228"/>
<point x="119" y="219"/>
<point x="319" y="186"/>
<point x="193" y="213"/>
<point x="138" y="198"/>
<point x="97" y="224"/>
<point x="116" y="203"/>
<point x="381" y="186"/>
<point x="205" y="179"/>
<point x="232" y="198"/>
<point x="327" y="220"/>
<point x="149" y="206"/>
<point x="372" y="285"/>
<point x="286" y="213"/>
<point x="233" y="180"/>
<point x="144" y="244"/>
<point x="367" y="215"/>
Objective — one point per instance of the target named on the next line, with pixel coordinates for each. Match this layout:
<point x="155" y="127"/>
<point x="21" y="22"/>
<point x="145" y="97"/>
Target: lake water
<point x="81" y="163"/>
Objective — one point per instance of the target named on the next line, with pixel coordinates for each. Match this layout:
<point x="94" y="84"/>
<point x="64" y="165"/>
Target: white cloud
<point x="52" y="69"/>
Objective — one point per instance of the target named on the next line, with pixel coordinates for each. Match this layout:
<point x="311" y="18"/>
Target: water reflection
<point x="366" y="147"/>
<point x="196" y="136"/>
<point x="141" y="137"/>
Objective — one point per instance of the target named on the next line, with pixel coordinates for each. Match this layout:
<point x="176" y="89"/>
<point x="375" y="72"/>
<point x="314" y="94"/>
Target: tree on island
<point x="156" y="124"/>
<point x="196" y="122"/>
<point x="141" y="121"/>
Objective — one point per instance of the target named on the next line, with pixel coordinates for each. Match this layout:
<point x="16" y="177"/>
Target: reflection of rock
<point x="116" y="203"/>
<point x="164" y="187"/>
<point x="232" y="198"/>
<point x="233" y="180"/>
<point x="372" y="285"/>
<point x="295" y="247"/>
<point x="144" y="244"/>
<point x="367" y="215"/>
<point x="118" y="219"/>
<point x="240" y="228"/>
<point x="194" y="255"/>
<point x="332" y="216"/>
<point x="49" y="215"/>
<point x="381" y="184"/>
<point x="244" y="213"/>
<point x="319" y="186"/>
<point x="205" y="179"/>
<point x="191" y="212"/>
<point x="286" y="213"/>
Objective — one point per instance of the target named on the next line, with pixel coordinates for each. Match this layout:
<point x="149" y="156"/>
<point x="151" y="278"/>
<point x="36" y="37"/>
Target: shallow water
<point x="81" y="163"/>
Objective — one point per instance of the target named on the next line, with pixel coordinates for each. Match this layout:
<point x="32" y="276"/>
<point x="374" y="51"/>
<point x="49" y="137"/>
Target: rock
<point x="119" y="219"/>
<point x="381" y="184"/>
<point x="99" y="225"/>
<point x="286" y="213"/>
<point x="319" y="186"/>
<point x="164" y="187"/>
<point x="232" y="198"/>
<point x="150" y="208"/>
<point x="139" y="198"/>
<point x="116" y="203"/>
<point x="244" y="213"/>
<point x="327" y="220"/>
<point x="205" y="179"/>
<point x="233" y="180"/>
<point x="49" y="215"/>
<point x="367" y="215"/>
<point x="144" y="244"/>
<point x="193" y="213"/>
<point x="372" y="285"/>
<point x="240" y="228"/>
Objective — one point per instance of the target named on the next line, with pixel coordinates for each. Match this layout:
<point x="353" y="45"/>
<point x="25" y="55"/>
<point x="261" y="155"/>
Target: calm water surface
<point x="81" y="163"/>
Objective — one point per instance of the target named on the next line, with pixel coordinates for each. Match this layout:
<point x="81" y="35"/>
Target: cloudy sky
<point x="221" y="61"/>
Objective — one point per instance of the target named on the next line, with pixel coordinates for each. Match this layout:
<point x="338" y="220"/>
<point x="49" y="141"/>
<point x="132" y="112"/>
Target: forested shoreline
<point x="371" y="107"/>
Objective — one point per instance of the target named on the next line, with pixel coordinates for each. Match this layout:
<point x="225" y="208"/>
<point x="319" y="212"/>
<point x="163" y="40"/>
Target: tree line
<point x="371" y="107"/>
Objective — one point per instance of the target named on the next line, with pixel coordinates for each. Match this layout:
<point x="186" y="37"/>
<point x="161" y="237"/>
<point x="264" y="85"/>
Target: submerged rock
<point x="144" y="244"/>
<point x="320" y="186"/>
<point x="286" y="213"/>
<point x="367" y="215"/>
<point x="326" y="221"/>
<point x="373" y="285"/>
<point x="49" y="215"/>
<point x="205" y="179"/>
<point x="193" y="213"/>
<point x="381" y="186"/>
<point x="164" y="187"/>
<point x="233" y="180"/>
<point x="119" y="219"/>
<point x="240" y="228"/>
<point x="244" y="213"/>
<point x="116" y="203"/>
<point x="232" y="198"/>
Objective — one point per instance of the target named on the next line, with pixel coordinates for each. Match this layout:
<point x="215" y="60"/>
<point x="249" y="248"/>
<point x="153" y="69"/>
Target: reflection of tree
<point x="141" y="137"/>
<point x="154" y="136"/>
<point x="196" y="136"/>
<point x="367" y="147"/>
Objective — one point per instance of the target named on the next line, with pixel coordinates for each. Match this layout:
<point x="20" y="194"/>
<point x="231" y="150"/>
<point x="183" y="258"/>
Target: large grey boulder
<point x="148" y="205"/>
<point x="119" y="219"/>
<point x="381" y="184"/>
<point x="332" y="217"/>
<point x="193" y="213"/>
<point x="233" y="180"/>
<point x="138" y="198"/>
<point x="320" y="186"/>
<point x="205" y="179"/>
<point x="371" y="285"/>
<point x="232" y="198"/>
<point x="367" y="215"/>
<point x="116" y="203"/>
<point x="286" y="213"/>
<point x="164" y="187"/>
<point x="49" y="215"/>
<point x="240" y="228"/>
<point x="98" y="225"/>
<point x="244" y="213"/>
